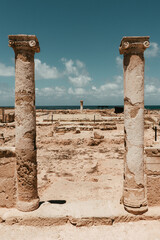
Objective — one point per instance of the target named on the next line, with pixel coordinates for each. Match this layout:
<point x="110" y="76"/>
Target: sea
<point x="92" y="107"/>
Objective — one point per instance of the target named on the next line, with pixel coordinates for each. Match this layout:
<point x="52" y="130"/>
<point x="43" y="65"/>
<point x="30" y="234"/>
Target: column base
<point x="27" y="206"/>
<point x="136" y="210"/>
<point x="135" y="200"/>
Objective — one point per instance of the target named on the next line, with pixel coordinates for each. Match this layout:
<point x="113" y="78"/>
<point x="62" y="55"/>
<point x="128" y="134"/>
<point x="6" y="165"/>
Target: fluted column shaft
<point x="25" y="121"/>
<point x="134" y="194"/>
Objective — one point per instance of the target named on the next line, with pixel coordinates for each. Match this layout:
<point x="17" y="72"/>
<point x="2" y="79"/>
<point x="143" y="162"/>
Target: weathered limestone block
<point x="98" y="136"/>
<point x="7" y="177"/>
<point x="94" y="142"/>
<point x="152" y="170"/>
<point x="25" y="47"/>
<point x="134" y="193"/>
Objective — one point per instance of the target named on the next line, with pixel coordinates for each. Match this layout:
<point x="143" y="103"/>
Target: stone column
<point x="25" y="47"/>
<point x="81" y="105"/>
<point x="134" y="191"/>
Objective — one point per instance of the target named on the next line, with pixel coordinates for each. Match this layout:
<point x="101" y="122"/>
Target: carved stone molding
<point x="133" y="45"/>
<point x="24" y="42"/>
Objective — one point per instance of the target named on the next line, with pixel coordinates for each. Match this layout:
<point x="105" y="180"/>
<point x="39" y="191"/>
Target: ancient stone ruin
<point x="81" y="105"/>
<point x="18" y="166"/>
<point x="25" y="47"/>
<point x="134" y="194"/>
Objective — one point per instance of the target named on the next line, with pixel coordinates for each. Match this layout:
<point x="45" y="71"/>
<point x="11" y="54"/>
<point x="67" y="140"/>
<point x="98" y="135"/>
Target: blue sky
<point x="79" y="41"/>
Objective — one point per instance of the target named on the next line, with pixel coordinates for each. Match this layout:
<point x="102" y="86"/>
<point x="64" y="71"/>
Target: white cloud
<point x="77" y="91"/>
<point x="109" y="86"/>
<point x="80" y="80"/>
<point x="153" y="50"/>
<point x="119" y="79"/>
<point x="60" y="91"/>
<point x="76" y="72"/>
<point x="6" y="71"/>
<point x="70" y="68"/>
<point x="94" y="88"/>
<point x="50" y="91"/>
<point x="80" y="64"/>
<point x="108" y="89"/>
<point x="44" y="71"/>
<point x="150" y="89"/>
<point x="119" y="61"/>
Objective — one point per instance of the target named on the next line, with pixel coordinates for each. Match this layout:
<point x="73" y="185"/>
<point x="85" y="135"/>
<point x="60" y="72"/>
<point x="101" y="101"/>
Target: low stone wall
<point x="7" y="177"/>
<point x="152" y="169"/>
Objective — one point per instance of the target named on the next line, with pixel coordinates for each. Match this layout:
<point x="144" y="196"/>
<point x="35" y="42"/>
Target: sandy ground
<point x="144" y="230"/>
<point x="74" y="164"/>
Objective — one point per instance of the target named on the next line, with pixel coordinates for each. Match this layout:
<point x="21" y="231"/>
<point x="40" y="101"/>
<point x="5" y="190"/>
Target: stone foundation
<point x="7" y="177"/>
<point x="152" y="169"/>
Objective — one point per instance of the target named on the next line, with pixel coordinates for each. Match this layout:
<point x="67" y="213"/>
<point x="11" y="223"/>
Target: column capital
<point x="24" y="42"/>
<point x="134" y="44"/>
